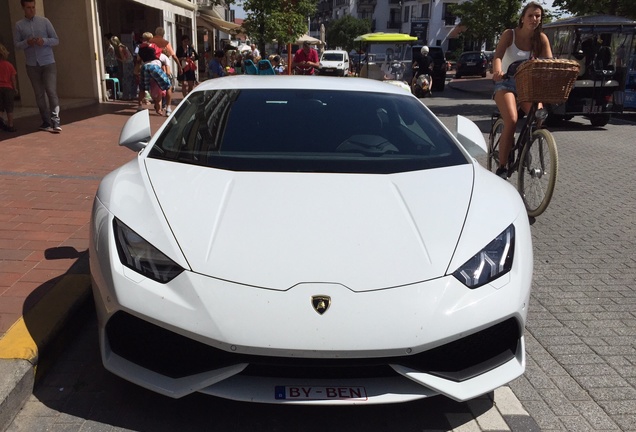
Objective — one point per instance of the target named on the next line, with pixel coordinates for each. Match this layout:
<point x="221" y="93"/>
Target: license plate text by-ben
<point x="320" y="393"/>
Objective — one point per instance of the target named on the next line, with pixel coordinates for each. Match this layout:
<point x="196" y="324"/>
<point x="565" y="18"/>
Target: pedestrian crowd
<point x="135" y="70"/>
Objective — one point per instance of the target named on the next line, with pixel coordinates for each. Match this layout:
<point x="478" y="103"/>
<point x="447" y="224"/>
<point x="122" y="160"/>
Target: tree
<point x="624" y="8"/>
<point x="343" y="31"/>
<point x="484" y="20"/>
<point x="281" y="20"/>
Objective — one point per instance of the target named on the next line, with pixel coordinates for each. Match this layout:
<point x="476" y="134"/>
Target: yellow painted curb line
<point x="41" y="323"/>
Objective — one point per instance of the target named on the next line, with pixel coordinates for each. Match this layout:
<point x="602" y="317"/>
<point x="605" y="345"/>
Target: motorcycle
<point x="422" y="83"/>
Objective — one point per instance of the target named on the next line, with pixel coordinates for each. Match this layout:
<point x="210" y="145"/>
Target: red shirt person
<point x="305" y="60"/>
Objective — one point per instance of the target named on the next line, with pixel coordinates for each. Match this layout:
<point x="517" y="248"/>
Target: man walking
<point x="305" y="60"/>
<point x="36" y="36"/>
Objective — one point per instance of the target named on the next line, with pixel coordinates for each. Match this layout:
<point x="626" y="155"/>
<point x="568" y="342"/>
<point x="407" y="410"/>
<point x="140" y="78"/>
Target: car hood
<point x="277" y="230"/>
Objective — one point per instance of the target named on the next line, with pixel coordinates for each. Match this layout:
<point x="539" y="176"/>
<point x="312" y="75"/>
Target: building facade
<point x="430" y="20"/>
<point x="81" y="25"/>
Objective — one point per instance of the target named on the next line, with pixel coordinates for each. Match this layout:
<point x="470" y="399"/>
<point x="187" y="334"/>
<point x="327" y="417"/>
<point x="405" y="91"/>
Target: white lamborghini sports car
<point x="289" y="239"/>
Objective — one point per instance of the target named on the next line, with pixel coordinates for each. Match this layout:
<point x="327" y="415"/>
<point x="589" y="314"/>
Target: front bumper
<point x="200" y="334"/>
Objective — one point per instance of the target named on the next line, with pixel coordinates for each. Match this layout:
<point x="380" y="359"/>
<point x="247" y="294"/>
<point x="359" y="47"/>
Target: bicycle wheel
<point x="538" y="168"/>
<point x="493" y="145"/>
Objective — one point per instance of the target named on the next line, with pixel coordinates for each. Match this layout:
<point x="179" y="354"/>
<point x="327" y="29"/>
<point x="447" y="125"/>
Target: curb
<point x="479" y="86"/>
<point x="33" y="333"/>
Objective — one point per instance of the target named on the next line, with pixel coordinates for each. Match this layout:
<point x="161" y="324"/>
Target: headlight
<point x="490" y="263"/>
<point x="139" y="255"/>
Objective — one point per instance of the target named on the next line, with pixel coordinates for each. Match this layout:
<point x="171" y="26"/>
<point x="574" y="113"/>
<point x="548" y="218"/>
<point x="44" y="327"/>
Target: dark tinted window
<point x="333" y="57"/>
<point x="471" y="57"/>
<point x="306" y="131"/>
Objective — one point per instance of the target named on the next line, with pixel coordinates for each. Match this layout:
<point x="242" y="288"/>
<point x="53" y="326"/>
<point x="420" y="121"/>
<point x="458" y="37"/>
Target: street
<point x="580" y="337"/>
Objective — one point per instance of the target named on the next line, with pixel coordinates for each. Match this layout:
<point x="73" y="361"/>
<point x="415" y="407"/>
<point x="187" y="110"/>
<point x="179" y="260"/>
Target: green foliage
<point x="484" y="20"/>
<point x="624" y="8"/>
<point x="343" y="31"/>
<point x="282" y="20"/>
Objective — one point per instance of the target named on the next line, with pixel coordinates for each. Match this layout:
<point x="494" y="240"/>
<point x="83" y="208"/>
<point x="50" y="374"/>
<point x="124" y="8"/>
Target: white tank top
<point x="513" y="54"/>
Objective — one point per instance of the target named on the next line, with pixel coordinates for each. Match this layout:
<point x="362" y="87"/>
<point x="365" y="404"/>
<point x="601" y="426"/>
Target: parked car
<point x="595" y="42"/>
<point x="471" y="63"/>
<point x="440" y="65"/>
<point x="334" y="62"/>
<point x="362" y="264"/>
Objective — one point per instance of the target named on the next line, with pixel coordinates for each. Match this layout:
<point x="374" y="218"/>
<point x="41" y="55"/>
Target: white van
<point x="334" y="62"/>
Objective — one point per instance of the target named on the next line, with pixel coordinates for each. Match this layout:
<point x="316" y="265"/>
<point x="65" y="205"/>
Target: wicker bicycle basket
<point x="546" y="80"/>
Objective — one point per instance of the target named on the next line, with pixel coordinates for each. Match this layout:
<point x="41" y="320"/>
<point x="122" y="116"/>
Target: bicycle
<point x="534" y="154"/>
<point x="534" y="157"/>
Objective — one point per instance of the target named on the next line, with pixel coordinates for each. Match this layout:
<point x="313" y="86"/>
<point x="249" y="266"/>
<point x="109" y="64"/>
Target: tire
<point x="493" y="145"/>
<point x="599" y="120"/>
<point x="538" y="169"/>
<point x="417" y="91"/>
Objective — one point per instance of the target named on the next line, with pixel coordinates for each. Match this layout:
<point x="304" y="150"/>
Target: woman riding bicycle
<point x="521" y="43"/>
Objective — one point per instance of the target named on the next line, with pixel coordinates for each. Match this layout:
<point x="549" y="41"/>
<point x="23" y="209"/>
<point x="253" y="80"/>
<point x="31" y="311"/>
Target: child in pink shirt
<point x="8" y="89"/>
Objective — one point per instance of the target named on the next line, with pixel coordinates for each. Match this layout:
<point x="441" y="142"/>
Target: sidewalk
<point x="477" y="85"/>
<point x="47" y="185"/>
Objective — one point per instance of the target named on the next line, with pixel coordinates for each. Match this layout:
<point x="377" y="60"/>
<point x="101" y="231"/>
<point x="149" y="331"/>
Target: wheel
<point x="493" y="145"/>
<point x="538" y="169"/>
<point x="599" y="120"/>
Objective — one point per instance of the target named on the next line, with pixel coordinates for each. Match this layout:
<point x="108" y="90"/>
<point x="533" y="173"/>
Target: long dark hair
<point x="536" y="36"/>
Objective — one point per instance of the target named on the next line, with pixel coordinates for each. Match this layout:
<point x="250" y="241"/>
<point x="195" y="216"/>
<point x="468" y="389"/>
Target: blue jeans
<point x="44" y="82"/>
<point x="508" y="84"/>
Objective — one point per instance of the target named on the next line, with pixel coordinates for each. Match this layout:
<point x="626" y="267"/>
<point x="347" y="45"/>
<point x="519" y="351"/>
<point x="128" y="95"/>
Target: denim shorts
<point x="507" y="84"/>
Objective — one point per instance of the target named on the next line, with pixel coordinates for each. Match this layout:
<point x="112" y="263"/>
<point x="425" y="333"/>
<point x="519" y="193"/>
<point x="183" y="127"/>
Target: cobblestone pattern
<point x="581" y="328"/>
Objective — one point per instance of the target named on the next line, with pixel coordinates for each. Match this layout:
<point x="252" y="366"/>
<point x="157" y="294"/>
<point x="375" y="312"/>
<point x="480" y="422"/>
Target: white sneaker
<point x="168" y="111"/>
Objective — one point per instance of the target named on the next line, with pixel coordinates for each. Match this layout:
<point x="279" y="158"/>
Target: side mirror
<point x="136" y="132"/>
<point x="470" y="137"/>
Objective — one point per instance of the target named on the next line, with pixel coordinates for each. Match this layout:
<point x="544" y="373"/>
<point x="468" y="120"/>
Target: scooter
<point x="422" y="84"/>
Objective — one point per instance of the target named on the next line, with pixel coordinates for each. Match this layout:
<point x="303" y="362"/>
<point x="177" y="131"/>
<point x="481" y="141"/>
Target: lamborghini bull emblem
<point x="321" y="303"/>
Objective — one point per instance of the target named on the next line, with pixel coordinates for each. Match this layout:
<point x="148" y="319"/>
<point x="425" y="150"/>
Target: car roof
<point x="299" y="82"/>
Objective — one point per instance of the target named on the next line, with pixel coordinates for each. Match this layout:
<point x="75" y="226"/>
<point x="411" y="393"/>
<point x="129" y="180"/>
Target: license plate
<point x="320" y="393"/>
<point x="329" y="70"/>
<point x="471" y="64"/>
<point x="592" y="108"/>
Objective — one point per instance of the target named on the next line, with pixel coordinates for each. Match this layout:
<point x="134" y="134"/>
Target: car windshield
<point x="292" y="130"/>
<point x="332" y="57"/>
